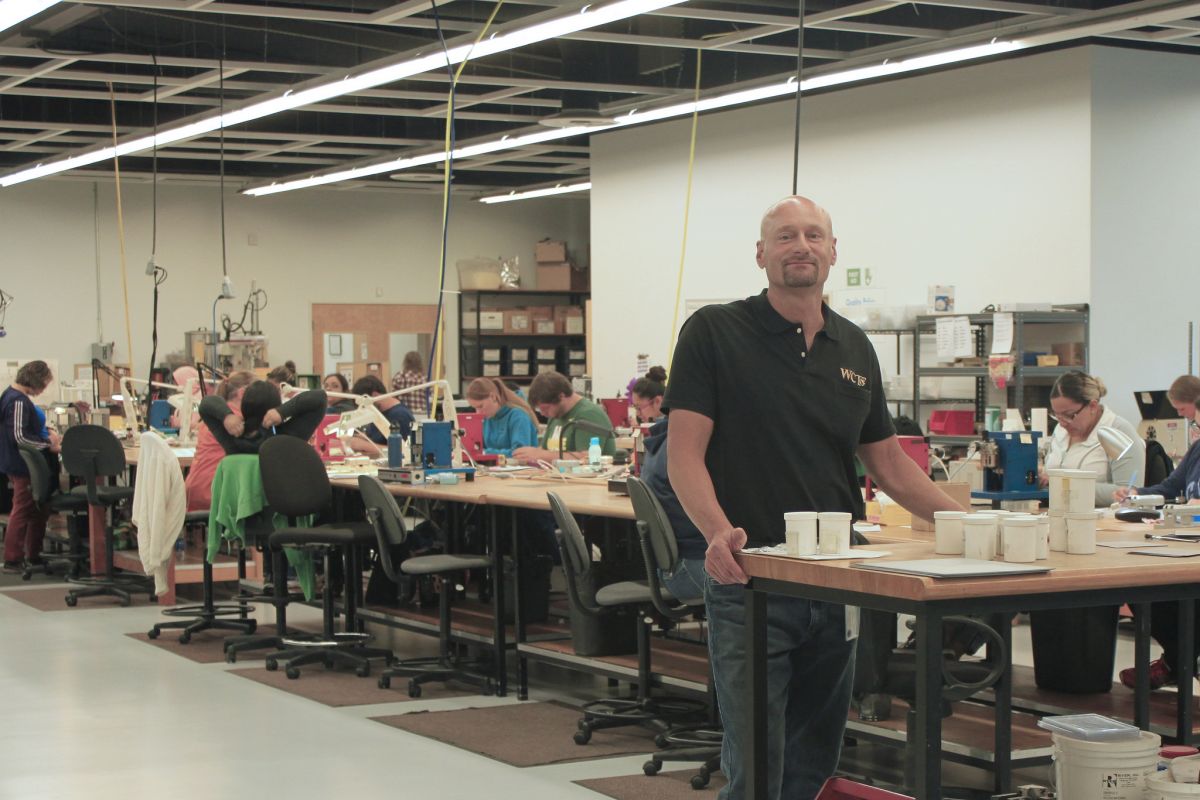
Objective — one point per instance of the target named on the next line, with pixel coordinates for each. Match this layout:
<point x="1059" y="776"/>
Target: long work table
<point x="1109" y="577"/>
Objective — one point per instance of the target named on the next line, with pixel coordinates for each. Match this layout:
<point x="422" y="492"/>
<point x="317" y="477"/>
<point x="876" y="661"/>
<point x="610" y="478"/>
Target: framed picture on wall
<point x="335" y="344"/>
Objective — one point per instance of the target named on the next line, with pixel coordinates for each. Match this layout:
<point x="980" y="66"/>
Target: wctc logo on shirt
<point x="853" y="377"/>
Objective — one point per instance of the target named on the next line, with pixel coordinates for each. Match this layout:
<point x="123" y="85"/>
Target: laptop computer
<point x="1153" y="404"/>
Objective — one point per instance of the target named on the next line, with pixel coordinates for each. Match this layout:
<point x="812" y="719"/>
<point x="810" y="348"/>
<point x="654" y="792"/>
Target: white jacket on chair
<point x="159" y="506"/>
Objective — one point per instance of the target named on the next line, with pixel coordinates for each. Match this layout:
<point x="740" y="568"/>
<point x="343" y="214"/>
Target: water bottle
<point x="594" y="452"/>
<point x="180" y="549"/>
<point x="395" y="446"/>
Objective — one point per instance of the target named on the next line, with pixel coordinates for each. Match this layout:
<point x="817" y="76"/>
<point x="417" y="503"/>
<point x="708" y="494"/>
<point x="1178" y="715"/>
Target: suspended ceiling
<point x="168" y="61"/>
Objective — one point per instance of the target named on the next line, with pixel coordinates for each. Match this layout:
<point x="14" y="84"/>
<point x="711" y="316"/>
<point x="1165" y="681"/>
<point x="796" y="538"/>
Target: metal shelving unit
<point x="1022" y="374"/>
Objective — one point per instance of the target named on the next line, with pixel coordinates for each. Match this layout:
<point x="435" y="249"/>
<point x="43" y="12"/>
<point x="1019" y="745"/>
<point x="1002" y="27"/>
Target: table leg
<point x="926" y="740"/>
<point x="498" y="639"/>
<point x="756" y="666"/>
<point x="518" y="612"/>
<point x="1002" y="752"/>
<point x="1185" y="670"/>
<point x="1141" y="661"/>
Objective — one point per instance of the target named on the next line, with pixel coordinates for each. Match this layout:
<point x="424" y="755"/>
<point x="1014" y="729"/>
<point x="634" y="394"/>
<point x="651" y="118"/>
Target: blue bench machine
<point x="1010" y="466"/>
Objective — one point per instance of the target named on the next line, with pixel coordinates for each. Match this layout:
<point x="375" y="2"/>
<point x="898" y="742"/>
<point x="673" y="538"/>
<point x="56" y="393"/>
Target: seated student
<point x="336" y="382"/>
<point x="20" y="424"/>
<point x="371" y="437"/>
<point x="1182" y="485"/>
<point x="264" y="415"/>
<point x="555" y="399"/>
<point x="284" y="373"/>
<point x="647" y="394"/>
<point x="209" y="451"/>
<point x="685" y="579"/>
<point x="508" y="421"/>
<point x="1075" y="444"/>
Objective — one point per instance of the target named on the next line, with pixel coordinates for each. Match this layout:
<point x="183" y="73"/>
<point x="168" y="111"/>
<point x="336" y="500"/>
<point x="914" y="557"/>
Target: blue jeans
<point x="810" y="675"/>
<point x="686" y="579"/>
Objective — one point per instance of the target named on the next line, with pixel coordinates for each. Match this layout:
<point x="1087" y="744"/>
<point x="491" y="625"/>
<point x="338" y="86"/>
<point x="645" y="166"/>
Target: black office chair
<point x="46" y="493"/>
<point x="390" y="531"/>
<point x="296" y="485"/>
<point x="659" y="713"/>
<point x="691" y="742"/>
<point x="91" y="452"/>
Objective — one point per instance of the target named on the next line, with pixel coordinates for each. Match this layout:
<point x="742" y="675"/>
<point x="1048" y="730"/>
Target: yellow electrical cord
<point x="441" y="333"/>
<point x="687" y="207"/>
<point x="112" y="100"/>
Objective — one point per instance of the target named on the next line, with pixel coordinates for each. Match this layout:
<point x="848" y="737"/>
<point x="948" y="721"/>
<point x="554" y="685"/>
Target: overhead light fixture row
<point x="549" y="191"/>
<point x="14" y="12"/>
<point x="583" y="18"/>
<point x="636" y="117"/>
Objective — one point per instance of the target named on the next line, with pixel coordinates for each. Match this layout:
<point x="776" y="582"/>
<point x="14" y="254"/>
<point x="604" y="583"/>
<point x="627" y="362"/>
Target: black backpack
<point x="1158" y="464"/>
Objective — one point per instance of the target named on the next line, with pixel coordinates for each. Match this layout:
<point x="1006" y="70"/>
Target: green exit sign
<point x="854" y="277"/>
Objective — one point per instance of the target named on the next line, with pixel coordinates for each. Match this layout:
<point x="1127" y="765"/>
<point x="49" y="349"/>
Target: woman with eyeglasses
<point x="1182" y="484"/>
<point x="647" y="394"/>
<point x="1075" y="443"/>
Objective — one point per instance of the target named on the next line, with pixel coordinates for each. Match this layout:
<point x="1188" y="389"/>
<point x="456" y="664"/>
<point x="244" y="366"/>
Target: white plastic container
<point x="1043" y="538"/>
<point x="948" y="532"/>
<point x="997" y="514"/>
<point x="1072" y="489"/>
<point x="1058" y="531"/>
<point x="1081" y="532"/>
<point x="979" y="536"/>
<point x="1161" y="787"/>
<point x="834" y="532"/>
<point x="801" y="532"/>
<point x="1020" y="538"/>
<point x="1110" y="770"/>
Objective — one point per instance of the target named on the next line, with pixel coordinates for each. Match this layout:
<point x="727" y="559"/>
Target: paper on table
<point x="1002" y="334"/>
<point x="781" y="550"/>
<point x="1128" y="543"/>
<point x="1167" y="552"/>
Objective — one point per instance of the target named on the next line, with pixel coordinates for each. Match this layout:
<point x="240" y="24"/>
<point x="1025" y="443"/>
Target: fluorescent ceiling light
<point x="532" y="193"/>
<point x="589" y="16"/>
<point x="636" y="117"/>
<point x="13" y="12"/>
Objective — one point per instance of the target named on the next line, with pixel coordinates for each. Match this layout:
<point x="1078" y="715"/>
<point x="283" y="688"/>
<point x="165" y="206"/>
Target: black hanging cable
<point x="154" y="269"/>
<point x="221" y="156"/>
<point x="799" y="79"/>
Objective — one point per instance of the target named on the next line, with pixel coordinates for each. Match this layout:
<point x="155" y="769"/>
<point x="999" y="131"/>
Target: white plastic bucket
<point x="1159" y="787"/>
<point x="1086" y="770"/>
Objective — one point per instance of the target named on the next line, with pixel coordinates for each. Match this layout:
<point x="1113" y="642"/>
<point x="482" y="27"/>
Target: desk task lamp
<point x="367" y="412"/>
<point x="1113" y="442"/>
<point x="183" y="401"/>
<point x="583" y="425"/>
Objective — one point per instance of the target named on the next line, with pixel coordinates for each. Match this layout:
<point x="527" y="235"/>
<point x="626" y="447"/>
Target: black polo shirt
<point x="786" y="420"/>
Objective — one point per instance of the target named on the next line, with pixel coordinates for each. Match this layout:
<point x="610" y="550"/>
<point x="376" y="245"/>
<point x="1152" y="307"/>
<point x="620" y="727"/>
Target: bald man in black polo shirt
<point x="770" y="399"/>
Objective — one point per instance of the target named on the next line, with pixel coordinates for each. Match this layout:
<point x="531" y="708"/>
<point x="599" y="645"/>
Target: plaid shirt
<point x="417" y="402"/>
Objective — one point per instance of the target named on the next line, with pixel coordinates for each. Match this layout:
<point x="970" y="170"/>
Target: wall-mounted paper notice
<point x="1002" y="334"/>
<point x="954" y="338"/>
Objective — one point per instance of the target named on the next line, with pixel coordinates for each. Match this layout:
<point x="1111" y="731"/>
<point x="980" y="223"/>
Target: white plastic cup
<point x="1072" y="490"/>
<point x="1043" y="538"/>
<point x="801" y="532"/>
<point x="1020" y="538"/>
<point x="1058" y="531"/>
<point x="834" y="530"/>
<point x="948" y="532"/>
<point x="979" y="536"/>
<point x="1081" y="532"/>
<point x="997" y="514"/>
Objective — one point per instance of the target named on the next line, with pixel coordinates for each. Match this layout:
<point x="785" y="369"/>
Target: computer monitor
<point x="1153" y="404"/>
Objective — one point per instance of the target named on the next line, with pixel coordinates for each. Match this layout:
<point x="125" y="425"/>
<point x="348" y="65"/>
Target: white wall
<point x="1146" y="163"/>
<point x="310" y="246"/>
<point x="977" y="177"/>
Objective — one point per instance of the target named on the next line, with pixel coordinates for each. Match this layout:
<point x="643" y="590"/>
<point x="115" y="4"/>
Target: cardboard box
<point x="520" y="368"/>
<point x="581" y="280"/>
<point x="517" y="320"/>
<point x="549" y="251"/>
<point x="492" y="354"/>
<point x="573" y="325"/>
<point x="490" y="319"/>
<point x="1047" y="361"/>
<point x="546" y="366"/>
<point x="520" y="354"/>
<point x="491" y="370"/>
<point x="554" y="277"/>
<point x="958" y="491"/>
<point x="576" y="369"/>
<point x="891" y="514"/>
<point x="478" y="274"/>
<point x="547" y="354"/>
<point x="541" y="312"/>
<point x="577" y="355"/>
<point x="1070" y="354"/>
<point x="545" y="326"/>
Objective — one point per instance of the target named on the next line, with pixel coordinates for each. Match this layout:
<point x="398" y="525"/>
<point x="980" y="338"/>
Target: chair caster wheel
<point x="385" y="682"/>
<point x="27" y="575"/>
<point x="651" y="767"/>
<point x="699" y="781"/>
<point x="152" y="633"/>
<point x="72" y="600"/>
<point x="414" y="690"/>
<point x="292" y="673"/>
<point x="272" y="665"/>
<point x="363" y="671"/>
<point x="252" y="627"/>
<point x="125" y="602"/>
<point x="660" y="741"/>
<point x="185" y="637"/>
<point x="583" y="736"/>
<point x="153" y="598"/>
<point x="489" y="687"/>
<point x="231" y="657"/>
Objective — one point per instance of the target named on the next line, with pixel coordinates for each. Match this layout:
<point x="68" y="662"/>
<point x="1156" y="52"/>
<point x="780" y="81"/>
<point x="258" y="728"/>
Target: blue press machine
<point x="1010" y="466"/>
